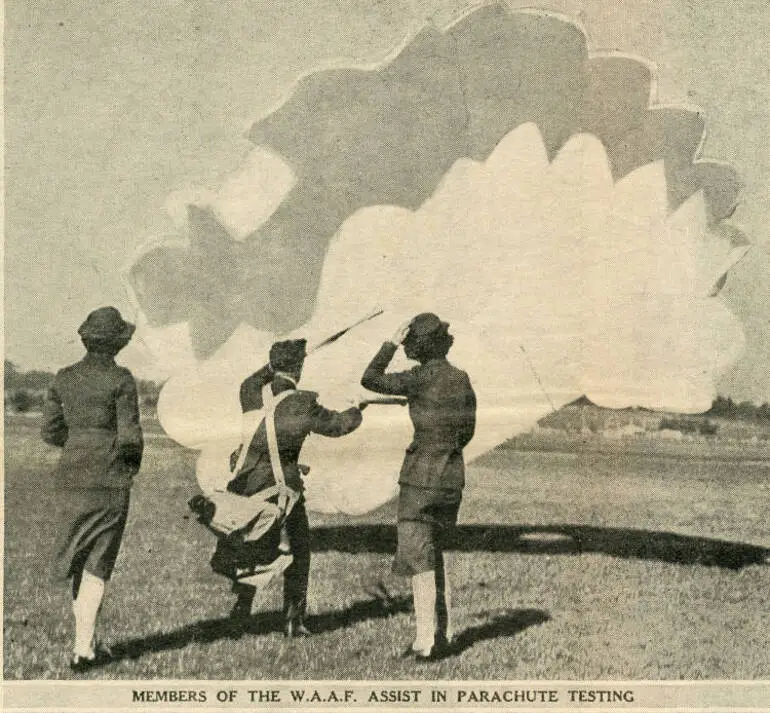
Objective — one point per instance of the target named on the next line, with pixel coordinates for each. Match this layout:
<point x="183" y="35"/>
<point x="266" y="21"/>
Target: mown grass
<point x="581" y="565"/>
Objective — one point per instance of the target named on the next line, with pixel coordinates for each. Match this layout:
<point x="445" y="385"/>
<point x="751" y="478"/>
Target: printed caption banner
<point x="386" y="696"/>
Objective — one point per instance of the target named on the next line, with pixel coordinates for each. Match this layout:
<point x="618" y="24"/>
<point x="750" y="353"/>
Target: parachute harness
<point x="254" y="514"/>
<point x="286" y="496"/>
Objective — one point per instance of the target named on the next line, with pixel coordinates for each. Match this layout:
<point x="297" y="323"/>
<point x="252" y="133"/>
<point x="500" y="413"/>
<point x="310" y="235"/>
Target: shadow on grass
<point x="262" y="623"/>
<point x="555" y="539"/>
<point x="508" y="623"/>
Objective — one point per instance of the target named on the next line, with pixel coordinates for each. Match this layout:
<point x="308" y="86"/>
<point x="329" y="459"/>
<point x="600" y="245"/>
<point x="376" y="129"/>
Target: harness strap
<point x="251" y="421"/>
<point x="286" y="496"/>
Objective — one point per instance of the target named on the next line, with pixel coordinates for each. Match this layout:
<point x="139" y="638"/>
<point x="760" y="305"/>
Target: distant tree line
<point x="31" y="380"/>
<point x="25" y="390"/>
<point x="743" y="410"/>
<point x="688" y="425"/>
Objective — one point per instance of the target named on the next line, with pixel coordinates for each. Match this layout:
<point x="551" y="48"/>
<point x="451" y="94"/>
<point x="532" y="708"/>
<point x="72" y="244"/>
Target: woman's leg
<point x="96" y="570"/>
<point x="424" y="591"/>
<point x="415" y="558"/>
<point x="443" y="535"/>
<point x="443" y="604"/>
<point x="86" y="608"/>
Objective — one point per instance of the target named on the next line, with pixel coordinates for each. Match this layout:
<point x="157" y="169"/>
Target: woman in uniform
<point x="92" y="413"/>
<point x="442" y="406"/>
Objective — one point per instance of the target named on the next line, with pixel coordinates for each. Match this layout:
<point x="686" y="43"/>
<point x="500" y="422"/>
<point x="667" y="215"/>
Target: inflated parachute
<point x="493" y="172"/>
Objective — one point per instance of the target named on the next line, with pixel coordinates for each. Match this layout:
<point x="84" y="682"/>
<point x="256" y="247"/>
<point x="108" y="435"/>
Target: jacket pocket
<point x="428" y="468"/>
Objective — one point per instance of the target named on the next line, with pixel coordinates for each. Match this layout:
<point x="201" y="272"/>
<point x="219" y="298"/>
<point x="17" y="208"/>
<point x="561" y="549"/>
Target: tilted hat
<point x="106" y="324"/>
<point x="288" y="354"/>
<point x="425" y="325"/>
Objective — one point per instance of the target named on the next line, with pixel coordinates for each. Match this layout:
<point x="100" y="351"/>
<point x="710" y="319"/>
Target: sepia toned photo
<point x="404" y="355"/>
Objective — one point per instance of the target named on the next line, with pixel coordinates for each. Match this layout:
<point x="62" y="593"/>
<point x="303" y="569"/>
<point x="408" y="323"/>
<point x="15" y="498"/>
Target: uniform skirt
<point x="91" y="527"/>
<point x="426" y="519"/>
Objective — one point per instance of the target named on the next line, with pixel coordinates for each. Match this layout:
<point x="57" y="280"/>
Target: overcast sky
<point x="111" y="107"/>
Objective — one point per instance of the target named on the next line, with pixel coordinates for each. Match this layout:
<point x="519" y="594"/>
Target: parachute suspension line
<point x="537" y="377"/>
<point x="329" y="340"/>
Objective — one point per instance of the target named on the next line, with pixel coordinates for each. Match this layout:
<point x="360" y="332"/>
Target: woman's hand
<point x="400" y="333"/>
<point x="359" y="402"/>
<point x="234" y="457"/>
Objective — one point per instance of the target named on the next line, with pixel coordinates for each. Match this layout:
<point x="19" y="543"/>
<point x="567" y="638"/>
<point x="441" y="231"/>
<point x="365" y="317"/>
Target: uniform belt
<point x="430" y="446"/>
<point x="77" y="431"/>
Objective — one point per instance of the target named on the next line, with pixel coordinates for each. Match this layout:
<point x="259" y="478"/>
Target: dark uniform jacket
<point x="442" y="406"/>
<point x="296" y="417"/>
<point x="92" y="410"/>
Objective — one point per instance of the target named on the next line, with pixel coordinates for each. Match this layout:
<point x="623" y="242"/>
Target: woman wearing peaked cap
<point x="92" y="412"/>
<point x="442" y="406"/>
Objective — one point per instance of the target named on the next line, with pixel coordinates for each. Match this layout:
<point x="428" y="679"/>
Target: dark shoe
<point x="382" y="596"/>
<point x="203" y="508"/>
<point x="240" y="615"/>
<point x="436" y="653"/>
<point x="241" y="611"/>
<point x="441" y="649"/>
<point x="81" y="664"/>
<point x="237" y="623"/>
<point x="295" y="628"/>
<point x="234" y="628"/>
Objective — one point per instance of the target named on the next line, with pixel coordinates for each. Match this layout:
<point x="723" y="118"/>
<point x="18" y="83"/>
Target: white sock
<point x="424" y="590"/>
<point x="86" y="609"/>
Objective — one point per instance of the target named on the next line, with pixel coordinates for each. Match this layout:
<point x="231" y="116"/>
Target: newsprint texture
<point x="395" y="355"/>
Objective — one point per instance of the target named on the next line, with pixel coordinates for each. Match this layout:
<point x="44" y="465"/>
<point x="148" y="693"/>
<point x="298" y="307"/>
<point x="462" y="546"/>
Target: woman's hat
<point x="286" y="355"/>
<point x="106" y="324"/>
<point x="426" y="324"/>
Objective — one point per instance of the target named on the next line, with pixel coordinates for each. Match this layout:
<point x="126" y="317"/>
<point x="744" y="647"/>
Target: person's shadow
<point x="381" y="606"/>
<point x="555" y="539"/>
<point x="509" y="622"/>
<point x="259" y="624"/>
<point x="505" y="623"/>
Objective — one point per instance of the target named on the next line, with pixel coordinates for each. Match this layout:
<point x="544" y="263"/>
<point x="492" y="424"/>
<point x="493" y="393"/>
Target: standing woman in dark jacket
<point x="92" y="412"/>
<point x="442" y="406"/>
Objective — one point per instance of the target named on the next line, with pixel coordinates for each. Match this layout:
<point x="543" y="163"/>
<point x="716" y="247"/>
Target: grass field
<point x="568" y="565"/>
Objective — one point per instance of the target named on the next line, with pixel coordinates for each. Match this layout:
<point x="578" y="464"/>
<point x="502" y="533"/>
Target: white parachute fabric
<point x="538" y="266"/>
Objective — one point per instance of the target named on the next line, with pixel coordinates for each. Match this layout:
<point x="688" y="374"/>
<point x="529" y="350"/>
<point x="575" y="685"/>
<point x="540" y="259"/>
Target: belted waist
<point x="435" y="434"/>
<point x="431" y="445"/>
<point x="75" y="431"/>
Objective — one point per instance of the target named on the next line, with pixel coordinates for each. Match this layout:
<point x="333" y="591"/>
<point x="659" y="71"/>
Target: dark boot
<point x="295" y="621"/>
<point x="295" y="578"/>
<point x="295" y="628"/>
<point x="241" y="610"/>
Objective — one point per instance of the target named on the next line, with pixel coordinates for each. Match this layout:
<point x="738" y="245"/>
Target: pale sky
<point x="111" y="107"/>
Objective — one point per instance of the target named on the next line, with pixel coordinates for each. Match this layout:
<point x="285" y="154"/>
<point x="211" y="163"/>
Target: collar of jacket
<point x="434" y="360"/>
<point x="283" y="381"/>
<point x="99" y="358"/>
